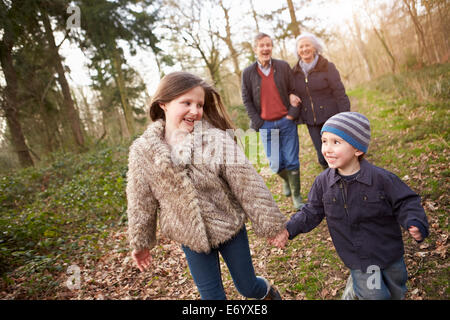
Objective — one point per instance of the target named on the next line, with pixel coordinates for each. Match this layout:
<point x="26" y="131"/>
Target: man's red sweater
<point x="272" y="107"/>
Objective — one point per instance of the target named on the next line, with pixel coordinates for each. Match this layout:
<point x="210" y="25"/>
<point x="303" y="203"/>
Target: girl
<point x="184" y="166"/>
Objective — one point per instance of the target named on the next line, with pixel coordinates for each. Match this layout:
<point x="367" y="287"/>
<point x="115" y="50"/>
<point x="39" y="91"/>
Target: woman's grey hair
<point x="315" y="41"/>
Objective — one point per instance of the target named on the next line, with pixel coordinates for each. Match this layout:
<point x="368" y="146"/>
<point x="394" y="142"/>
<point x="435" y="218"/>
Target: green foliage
<point x="48" y="214"/>
<point x="239" y="116"/>
<point x="428" y="84"/>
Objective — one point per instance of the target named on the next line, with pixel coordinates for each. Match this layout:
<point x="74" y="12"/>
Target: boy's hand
<point x="415" y="233"/>
<point x="280" y="239"/>
<point x="142" y="259"/>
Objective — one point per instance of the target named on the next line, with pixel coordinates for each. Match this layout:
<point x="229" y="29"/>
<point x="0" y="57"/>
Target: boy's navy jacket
<point x="365" y="221"/>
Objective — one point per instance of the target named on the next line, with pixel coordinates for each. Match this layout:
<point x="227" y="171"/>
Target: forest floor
<point x="79" y="248"/>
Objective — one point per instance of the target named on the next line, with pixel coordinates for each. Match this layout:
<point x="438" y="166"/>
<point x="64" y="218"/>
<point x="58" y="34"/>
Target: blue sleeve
<point x="310" y="215"/>
<point x="406" y="204"/>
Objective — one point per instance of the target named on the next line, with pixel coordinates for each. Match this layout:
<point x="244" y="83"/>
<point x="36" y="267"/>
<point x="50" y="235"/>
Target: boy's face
<point x="340" y="154"/>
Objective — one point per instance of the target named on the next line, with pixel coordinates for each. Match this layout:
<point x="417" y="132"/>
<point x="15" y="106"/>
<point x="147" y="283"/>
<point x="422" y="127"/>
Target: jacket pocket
<point x="375" y="204"/>
<point x="333" y="205"/>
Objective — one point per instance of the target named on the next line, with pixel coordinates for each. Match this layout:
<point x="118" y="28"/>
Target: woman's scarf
<point x="307" y="67"/>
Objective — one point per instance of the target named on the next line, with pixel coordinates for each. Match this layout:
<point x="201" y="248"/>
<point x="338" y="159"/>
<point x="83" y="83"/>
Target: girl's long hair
<point x="175" y="84"/>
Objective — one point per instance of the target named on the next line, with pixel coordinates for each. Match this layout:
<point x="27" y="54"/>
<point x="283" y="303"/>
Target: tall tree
<point x="362" y="48"/>
<point x="411" y="8"/>
<point x="70" y="112"/>
<point x="186" y="21"/>
<point x="294" y="25"/>
<point x="228" y="40"/>
<point x="10" y="27"/>
<point x="382" y="38"/>
<point x="105" y="25"/>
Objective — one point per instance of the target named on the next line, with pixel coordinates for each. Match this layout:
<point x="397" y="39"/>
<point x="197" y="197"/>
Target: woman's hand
<point x="294" y="100"/>
<point x="142" y="259"/>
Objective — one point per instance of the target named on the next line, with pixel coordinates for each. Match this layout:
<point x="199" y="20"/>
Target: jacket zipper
<point x="310" y="99"/>
<point x="341" y="186"/>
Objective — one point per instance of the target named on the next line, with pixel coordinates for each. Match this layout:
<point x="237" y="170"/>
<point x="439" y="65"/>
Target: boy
<point x="364" y="206"/>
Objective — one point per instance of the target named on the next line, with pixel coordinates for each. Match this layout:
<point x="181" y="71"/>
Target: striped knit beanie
<point x="353" y="127"/>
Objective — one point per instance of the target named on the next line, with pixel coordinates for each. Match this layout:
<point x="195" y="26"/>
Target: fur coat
<point x="202" y="190"/>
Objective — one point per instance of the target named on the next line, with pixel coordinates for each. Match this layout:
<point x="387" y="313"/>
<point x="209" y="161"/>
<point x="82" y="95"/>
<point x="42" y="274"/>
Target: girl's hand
<point x="415" y="233"/>
<point x="280" y="239"/>
<point x="142" y="259"/>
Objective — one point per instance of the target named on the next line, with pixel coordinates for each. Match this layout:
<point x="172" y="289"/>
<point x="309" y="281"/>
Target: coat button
<point x="365" y="198"/>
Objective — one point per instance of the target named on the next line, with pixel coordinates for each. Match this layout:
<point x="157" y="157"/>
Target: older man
<point x="268" y="95"/>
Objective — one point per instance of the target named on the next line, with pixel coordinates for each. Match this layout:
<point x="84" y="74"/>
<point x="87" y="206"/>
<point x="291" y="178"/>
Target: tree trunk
<point x="120" y="83"/>
<point x="11" y="105"/>
<point x="255" y="16"/>
<point x="386" y="48"/>
<point x="295" y="27"/>
<point x="411" y="6"/>
<point x="362" y="47"/>
<point x="229" y="43"/>
<point x="432" y="31"/>
<point x="71" y="113"/>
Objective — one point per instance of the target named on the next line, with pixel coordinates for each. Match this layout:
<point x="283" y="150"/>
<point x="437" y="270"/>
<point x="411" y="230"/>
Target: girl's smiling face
<point x="340" y="154"/>
<point x="183" y="111"/>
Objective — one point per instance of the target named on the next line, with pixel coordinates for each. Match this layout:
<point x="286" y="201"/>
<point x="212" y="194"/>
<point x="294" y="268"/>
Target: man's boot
<point x="294" y="183"/>
<point x="286" y="188"/>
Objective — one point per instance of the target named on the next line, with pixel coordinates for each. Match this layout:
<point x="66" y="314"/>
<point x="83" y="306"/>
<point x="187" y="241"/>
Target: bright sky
<point x="333" y="13"/>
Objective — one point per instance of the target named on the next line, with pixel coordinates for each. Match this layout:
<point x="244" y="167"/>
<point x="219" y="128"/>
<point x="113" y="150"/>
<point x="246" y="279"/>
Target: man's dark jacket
<point x="322" y="93"/>
<point x="251" y="90"/>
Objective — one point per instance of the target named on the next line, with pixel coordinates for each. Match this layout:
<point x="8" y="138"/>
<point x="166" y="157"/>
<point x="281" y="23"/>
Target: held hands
<point x="280" y="239"/>
<point x="294" y="100"/>
<point x="415" y="233"/>
<point x="142" y="259"/>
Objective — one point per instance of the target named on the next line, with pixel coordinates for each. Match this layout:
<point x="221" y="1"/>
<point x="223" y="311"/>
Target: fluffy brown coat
<point x="201" y="203"/>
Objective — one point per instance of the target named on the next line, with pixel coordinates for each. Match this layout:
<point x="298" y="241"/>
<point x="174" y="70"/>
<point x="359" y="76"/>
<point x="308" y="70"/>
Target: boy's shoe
<point x="349" y="292"/>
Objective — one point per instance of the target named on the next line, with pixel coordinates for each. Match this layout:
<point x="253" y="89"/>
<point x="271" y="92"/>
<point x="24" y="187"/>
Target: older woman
<point x="319" y="86"/>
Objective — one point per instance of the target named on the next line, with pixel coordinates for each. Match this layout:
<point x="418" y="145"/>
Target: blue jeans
<point x="280" y="141"/>
<point x="205" y="269"/>
<point x="379" y="284"/>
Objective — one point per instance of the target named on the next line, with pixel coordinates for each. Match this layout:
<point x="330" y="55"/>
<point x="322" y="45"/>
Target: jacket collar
<point x="365" y="174"/>
<point x="178" y="156"/>
<point x="321" y="66"/>
<point x="273" y="63"/>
